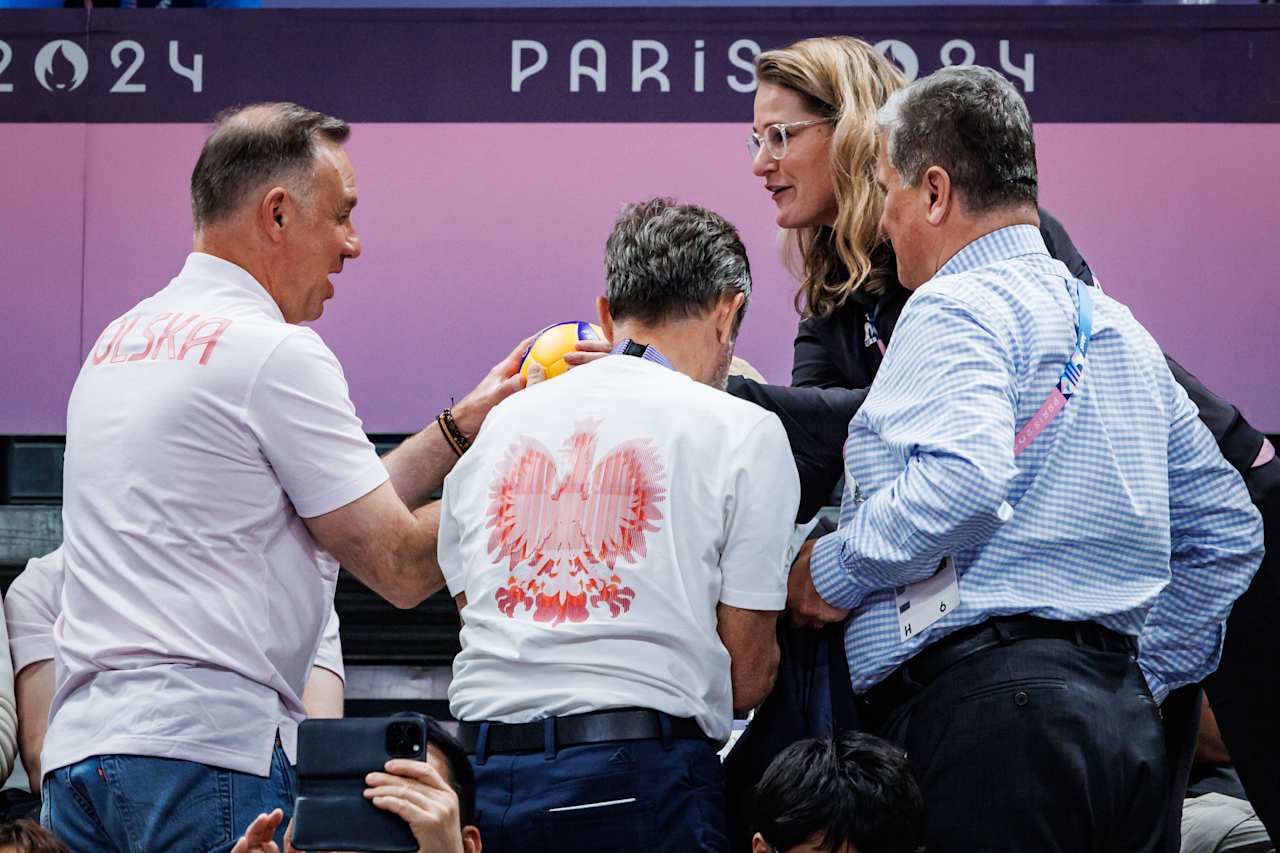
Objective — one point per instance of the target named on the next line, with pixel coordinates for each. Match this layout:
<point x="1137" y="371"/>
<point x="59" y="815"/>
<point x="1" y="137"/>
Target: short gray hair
<point x="666" y="260"/>
<point x="972" y="122"/>
<point x="252" y="145"/>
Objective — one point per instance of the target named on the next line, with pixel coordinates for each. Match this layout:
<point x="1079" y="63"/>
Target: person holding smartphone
<point x="436" y="797"/>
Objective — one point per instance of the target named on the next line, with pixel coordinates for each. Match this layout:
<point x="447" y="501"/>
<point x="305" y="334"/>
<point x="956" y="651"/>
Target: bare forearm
<point x="323" y="696"/>
<point x="391" y="550"/>
<point x="752" y="680"/>
<point x="750" y="638"/>
<point x="419" y="465"/>
<point x="34" y="693"/>
<point x="413" y="570"/>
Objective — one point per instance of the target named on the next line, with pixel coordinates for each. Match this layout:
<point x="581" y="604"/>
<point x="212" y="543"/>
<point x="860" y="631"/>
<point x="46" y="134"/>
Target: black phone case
<point x="331" y="812"/>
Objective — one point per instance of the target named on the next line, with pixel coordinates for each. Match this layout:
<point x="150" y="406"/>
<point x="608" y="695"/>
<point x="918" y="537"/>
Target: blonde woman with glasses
<point x="813" y="149"/>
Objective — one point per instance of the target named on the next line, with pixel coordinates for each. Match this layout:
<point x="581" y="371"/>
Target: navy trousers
<point x="640" y="795"/>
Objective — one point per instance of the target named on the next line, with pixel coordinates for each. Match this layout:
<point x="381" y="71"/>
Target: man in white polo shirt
<point x="616" y="541"/>
<point x="31" y="607"/>
<point x="214" y="464"/>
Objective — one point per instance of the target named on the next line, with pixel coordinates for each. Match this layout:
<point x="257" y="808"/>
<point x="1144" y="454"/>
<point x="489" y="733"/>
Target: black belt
<point x="577" y="730"/>
<point x="930" y="662"/>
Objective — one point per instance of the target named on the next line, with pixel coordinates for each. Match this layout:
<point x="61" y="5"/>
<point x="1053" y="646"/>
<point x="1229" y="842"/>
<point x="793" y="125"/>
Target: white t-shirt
<point x="201" y="430"/>
<point x="595" y="525"/>
<point x="31" y="607"/>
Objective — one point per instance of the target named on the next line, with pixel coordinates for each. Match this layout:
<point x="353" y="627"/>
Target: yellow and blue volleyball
<point x="552" y="343"/>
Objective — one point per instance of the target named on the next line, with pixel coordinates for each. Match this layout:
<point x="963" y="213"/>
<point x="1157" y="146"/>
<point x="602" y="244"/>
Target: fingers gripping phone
<point x="334" y="756"/>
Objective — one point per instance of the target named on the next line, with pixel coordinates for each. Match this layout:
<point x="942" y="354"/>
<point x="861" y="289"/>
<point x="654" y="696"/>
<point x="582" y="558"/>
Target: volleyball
<point x="550" y="345"/>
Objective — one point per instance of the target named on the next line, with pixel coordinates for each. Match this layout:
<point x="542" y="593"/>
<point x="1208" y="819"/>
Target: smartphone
<point x="334" y="756"/>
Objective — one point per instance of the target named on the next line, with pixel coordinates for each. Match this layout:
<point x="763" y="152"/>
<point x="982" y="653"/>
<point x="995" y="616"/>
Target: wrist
<point x="452" y="434"/>
<point x="468" y="416"/>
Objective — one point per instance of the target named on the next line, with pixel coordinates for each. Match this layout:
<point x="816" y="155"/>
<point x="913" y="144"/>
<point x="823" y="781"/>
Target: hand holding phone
<point x="336" y="758"/>
<point x="422" y="798"/>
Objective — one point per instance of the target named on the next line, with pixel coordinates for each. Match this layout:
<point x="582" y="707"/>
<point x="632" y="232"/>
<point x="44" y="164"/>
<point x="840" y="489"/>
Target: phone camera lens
<point x="404" y="740"/>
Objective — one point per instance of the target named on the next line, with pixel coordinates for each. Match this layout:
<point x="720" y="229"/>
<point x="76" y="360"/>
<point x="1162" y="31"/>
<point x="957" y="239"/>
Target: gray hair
<point x="252" y="145"/>
<point x="972" y="122"/>
<point x="666" y="260"/>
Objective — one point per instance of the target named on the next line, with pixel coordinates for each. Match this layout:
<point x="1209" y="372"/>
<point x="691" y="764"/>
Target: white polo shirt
<point x="595" y="525"/>
<point x="201" y="430"/>
<point x="31" y="607"/>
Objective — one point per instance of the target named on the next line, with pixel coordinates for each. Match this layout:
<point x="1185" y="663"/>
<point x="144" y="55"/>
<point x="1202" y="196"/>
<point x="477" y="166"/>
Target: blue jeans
<point x="645" y="796"/>
<point x="138" y="804"/>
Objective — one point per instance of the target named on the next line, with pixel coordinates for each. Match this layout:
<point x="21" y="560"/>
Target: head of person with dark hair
<point x="677" y="276"/>
<point x="853" y="794"/>
<point x="27" y="836"/>
<point x="957" y="161"/>
<point x="273" y="192"/>
<point x="460" y="776"/>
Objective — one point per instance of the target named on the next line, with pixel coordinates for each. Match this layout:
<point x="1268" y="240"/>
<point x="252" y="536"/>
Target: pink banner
<point x="478" y="234"/>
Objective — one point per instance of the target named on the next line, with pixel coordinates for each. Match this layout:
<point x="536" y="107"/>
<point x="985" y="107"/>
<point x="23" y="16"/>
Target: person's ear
<point x="937" y="183"/>
<point x="726" y="315"/>
<point x="274" y="213"/>
<point x="606" y="319"/>
<point x="471" y="841"/>
<point x="759" y="845"/>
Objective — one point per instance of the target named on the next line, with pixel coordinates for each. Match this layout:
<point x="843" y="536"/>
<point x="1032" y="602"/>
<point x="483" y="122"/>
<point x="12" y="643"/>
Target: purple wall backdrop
<point x="478" y="234"/>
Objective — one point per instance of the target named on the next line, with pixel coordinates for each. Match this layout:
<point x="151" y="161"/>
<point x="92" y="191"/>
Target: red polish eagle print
<point x="563" y="534"/>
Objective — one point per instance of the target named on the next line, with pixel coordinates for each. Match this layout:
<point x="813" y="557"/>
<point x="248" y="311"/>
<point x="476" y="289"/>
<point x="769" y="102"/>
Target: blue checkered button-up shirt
<point x="1122" y="511"/>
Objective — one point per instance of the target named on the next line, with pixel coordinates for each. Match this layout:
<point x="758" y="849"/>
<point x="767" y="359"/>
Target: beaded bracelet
<point x="449" y="429"/>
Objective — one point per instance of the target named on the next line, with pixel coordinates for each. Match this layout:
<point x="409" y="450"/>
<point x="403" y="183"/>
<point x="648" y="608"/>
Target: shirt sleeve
<point x="329" y="655"/>
<point x="759" y="514"/>
<point x="1216" y="544"/>
<point x="30" y="609"/>
<point x="944" y="401"/>
<point x="301" y="412"/>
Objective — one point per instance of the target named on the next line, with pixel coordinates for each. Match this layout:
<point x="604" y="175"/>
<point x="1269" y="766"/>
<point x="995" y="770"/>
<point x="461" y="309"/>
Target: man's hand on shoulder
<point x="587" y="352"/>
<point x="805" y="605"/>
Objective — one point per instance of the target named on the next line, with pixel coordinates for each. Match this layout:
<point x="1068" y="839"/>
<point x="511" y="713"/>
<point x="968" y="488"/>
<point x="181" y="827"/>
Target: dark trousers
<point x="1037" y="745"/>
<point x="640" y="795"/>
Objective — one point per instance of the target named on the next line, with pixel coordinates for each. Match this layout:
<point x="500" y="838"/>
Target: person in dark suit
<point x="850" y="299"/>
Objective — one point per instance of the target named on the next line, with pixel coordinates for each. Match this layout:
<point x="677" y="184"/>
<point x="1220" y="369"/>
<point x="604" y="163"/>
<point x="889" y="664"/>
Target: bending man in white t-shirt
<point x="215" y="467"/>
<point x="615" y="540"/>
<point x="30" y="609"/>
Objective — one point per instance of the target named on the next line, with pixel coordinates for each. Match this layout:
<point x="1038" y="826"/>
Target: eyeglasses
<point x="775" y="137"/>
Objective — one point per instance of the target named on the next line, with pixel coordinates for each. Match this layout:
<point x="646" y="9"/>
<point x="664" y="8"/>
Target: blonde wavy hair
<point x="847" y="80"/>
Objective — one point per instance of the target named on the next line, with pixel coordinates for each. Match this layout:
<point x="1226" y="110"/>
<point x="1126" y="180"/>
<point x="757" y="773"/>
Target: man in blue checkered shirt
<point x="995" y="597"/>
